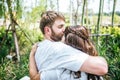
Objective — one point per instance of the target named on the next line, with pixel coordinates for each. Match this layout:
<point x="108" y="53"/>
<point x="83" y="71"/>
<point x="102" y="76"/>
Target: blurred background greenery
<point x="19" y="30"/>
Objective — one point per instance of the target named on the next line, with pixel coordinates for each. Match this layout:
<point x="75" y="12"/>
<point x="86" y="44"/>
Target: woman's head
<point x="78" y="37"/>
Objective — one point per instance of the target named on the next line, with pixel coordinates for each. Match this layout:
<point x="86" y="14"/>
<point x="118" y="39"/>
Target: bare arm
<point x="95" y="65"/>
<point x="34" y="75"/>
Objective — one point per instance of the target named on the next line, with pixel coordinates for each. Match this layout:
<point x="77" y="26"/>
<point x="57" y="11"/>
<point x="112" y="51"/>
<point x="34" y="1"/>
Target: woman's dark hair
<point x="79" y="38"/>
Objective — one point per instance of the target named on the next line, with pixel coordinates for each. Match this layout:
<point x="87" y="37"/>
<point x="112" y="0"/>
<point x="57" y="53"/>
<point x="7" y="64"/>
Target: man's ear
<point x="47" y="30"/>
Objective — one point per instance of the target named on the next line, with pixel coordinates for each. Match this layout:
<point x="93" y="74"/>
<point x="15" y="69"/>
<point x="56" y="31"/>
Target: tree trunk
<point x="58" y="5"/>
<point x="46" y="5"/>
<point x="76" y="13"/>
<point x="98" y="22"/>
<point x="71" y="13"/>
<point x="86" y="13"/>
<point x="99" y="15"/>
<point x="13" y="29"/>
<point x="51" y="4"/>
<point x="114" y="5"/>
<point x="16" y="45"/>
<point x="82" y="20"/>
<point x="102" y="11"/>
<point x="4" y="10"/>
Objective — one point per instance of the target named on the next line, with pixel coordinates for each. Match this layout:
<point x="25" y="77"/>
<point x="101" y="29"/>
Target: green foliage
<point x="18" y="9"/>
<point x="9" y="70"/>
<point x="1" y="9"/>
<point x="111" y="51"/>
<point x="37" y="11"/>
<point x="6" y="43"/>
<point x="27" y="34"/>
<point x="116" y="19"/>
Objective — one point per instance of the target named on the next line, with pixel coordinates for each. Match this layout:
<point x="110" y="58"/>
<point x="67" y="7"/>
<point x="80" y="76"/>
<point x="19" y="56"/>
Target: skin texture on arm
<point x="34" y="75"/>
<point x="95" y="65"/>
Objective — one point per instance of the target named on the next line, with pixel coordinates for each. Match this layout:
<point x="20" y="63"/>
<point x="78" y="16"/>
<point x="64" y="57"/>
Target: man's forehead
<point x="59" y="22"/>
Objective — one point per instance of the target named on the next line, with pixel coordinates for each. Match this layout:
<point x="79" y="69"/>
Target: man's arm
<point x="95" y="65"/>
<point x="34" y="75"/>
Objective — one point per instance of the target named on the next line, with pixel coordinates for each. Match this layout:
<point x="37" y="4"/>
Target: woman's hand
<point x="33" y="71"/>
<point x="33" y="50"/>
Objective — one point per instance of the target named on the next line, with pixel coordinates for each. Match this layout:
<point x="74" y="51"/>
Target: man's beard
<point x="55" y="37"/>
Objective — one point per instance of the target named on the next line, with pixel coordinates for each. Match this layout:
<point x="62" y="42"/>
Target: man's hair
<point x="48" y="18"/>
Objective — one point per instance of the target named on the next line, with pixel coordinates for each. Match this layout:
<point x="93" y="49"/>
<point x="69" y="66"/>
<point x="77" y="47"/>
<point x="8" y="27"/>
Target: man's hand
<point x="95" y="65"/>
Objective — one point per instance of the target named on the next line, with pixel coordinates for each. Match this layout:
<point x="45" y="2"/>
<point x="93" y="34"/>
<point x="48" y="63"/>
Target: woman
<point x="77" y="37"/>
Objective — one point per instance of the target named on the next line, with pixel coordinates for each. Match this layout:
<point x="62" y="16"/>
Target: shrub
<point x="6" y="43"/>
<point x="10" y="70"/>
<point x="111" y="51"/>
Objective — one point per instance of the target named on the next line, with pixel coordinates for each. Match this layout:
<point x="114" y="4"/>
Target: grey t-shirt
<point x="55" y="60"/>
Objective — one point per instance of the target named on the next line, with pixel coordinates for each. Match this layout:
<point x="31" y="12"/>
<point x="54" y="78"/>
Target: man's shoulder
<point x="44" y="42"/>
<point x="54" y="45"/>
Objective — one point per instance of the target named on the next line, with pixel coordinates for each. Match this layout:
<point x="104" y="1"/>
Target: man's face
<point x="57" y="30"/>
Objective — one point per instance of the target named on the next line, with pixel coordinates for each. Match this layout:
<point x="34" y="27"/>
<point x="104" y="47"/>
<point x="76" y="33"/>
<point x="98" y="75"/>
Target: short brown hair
<point x="48" y="18"/>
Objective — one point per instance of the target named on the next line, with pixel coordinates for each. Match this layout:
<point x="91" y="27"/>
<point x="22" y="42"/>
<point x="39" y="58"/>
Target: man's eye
<point x="60" y="27"/>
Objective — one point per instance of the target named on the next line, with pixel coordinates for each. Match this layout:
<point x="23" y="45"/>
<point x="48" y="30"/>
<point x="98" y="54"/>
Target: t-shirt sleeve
<point x="69" y="58"/>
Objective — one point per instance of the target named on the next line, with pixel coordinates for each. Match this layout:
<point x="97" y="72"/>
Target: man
<point x="52" y="27"/>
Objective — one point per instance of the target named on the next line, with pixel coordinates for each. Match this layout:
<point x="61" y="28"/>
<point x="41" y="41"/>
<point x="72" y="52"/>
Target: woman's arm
<point x="34" y="75"/>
